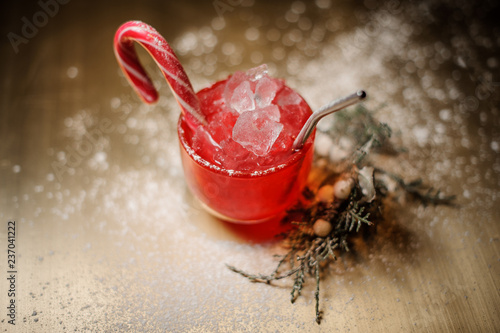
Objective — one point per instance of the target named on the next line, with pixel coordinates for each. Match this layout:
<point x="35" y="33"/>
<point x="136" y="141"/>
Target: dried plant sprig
<point x="421" y="192"/>
<point x="309" y="253"/>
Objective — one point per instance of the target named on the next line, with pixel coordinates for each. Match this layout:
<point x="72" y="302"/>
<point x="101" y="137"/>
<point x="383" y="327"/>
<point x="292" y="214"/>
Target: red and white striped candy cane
<point x="165" y="58"/>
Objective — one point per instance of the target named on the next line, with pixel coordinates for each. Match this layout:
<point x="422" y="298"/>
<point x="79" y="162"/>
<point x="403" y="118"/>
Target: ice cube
<point x="242" y="98"/>
<point x="232" y="155"/>
<point x="271" y="111"/>
<point x="288" y="96"/>
<point x="265" y="91"/>
<point x="256" y="131"/>
<point x="257" y="73"/>
<point x="232" y="83"/>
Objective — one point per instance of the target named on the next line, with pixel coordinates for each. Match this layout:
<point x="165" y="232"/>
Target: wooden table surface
<point x="108" y="238"/>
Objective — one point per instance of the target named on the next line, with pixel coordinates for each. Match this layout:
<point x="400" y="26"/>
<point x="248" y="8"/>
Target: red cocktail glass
<point x="244" y="196"/>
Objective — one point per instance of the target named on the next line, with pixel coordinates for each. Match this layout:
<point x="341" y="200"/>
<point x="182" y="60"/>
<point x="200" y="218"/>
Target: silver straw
<point x="325" y="110"/>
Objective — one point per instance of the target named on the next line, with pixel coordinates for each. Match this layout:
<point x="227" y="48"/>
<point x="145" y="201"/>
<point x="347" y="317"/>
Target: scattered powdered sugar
<point x="72" y="72"/>
<point x="113" y="209"/>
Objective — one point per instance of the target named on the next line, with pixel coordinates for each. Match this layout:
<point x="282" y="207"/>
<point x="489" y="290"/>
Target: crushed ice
<point x="250" y="94"/>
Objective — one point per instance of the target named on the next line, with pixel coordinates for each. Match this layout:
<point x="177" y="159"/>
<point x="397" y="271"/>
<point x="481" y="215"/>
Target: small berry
<point x="342" y="188"/>
<point x="325" y="193"/>
<point x="322" y="228"/>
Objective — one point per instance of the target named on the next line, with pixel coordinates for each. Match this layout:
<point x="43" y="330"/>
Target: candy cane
<point x="165" y="58"/>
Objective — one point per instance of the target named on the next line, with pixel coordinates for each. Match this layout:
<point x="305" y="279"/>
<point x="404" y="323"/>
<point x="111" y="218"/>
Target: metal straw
<point x="325" y="110"/>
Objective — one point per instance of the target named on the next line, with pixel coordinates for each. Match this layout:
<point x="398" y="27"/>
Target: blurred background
<point x="108" y="237"/>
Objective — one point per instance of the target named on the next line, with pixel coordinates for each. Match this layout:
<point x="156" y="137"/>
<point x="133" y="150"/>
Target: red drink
<point x="241" y="166"/>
